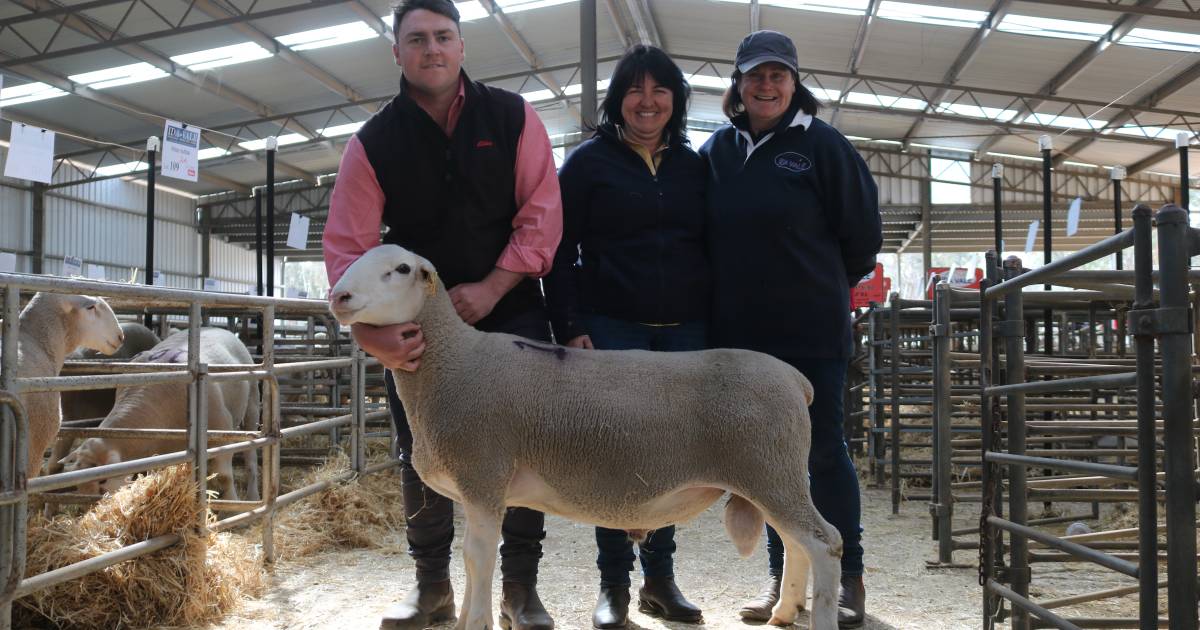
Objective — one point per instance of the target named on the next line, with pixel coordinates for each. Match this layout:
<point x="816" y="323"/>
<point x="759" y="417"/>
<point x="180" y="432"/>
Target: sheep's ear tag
<point x="430" y="282"/>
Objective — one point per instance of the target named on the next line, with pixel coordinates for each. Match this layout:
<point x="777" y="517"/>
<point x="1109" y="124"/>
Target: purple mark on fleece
<point x="558" y="351"/>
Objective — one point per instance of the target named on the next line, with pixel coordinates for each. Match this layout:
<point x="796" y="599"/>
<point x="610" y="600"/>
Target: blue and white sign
<point x="1073" y="216"/>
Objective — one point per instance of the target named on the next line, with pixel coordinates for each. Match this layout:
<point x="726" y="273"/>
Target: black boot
<point x="660" y="597"/>
<point x="521" y="608"/>
<point x="759" y="608"/>
<point x="612" y="607"/>
<point x="425" y="605"/>
<point x="852" y="602"/>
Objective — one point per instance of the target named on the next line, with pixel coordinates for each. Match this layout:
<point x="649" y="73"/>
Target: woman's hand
<point x="582" y="341"/>
<point x="398" y="347"/>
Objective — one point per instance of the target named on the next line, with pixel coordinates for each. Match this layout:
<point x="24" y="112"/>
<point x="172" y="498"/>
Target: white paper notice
<point x="96" y="272"/>
<point x="30" y="153"/>
<point x="157" y="277"/>
<point x="298" y="232"/>
<point x="72" y="266"/>
<point x="1032" y="236"/>
<point x="180" y="150"/>
<point x="8" y="262"/>
<point x="210" y="284"/>
<point x="1073" y="216"/>
<point x="292" y="292"/>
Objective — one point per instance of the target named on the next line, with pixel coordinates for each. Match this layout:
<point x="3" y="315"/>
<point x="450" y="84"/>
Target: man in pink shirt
<point x="462" y="174"/>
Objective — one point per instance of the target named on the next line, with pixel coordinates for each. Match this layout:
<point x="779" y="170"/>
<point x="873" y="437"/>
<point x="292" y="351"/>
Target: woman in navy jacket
<point x="632" y="273"/>
<point x="794" y="223"/>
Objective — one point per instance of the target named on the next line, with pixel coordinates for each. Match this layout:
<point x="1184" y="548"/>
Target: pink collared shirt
<point x="356" y="205"/>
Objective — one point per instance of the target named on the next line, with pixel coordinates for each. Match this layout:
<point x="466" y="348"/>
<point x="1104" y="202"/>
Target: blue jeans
<point x="834" y="481"/>
<point x="615" y="551"/>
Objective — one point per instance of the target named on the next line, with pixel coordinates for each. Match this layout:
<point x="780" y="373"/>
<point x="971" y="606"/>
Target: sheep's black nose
<point x="341" y="297"/>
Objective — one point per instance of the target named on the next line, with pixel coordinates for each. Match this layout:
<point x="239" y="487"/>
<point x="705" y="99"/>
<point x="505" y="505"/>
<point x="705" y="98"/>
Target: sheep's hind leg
<point x="809" y="541"/>
<point x="479" y="555"/>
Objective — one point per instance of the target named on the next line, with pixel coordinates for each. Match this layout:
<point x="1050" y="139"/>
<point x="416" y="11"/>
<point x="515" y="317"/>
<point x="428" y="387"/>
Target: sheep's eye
<point x="91" y="307"/>
<point x="403" y="268"/>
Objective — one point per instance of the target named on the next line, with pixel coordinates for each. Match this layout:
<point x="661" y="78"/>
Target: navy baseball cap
<point x="762" y="47"/>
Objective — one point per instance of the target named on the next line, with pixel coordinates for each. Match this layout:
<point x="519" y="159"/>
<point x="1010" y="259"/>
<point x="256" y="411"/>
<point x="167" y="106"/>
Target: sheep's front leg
<point x="479" y="554"/>
<point x="224" y="466"/>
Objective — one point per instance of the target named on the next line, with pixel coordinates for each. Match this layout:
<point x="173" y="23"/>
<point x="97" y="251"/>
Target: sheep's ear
<point x="429" y="276"/>
<point x="70" y="459"/>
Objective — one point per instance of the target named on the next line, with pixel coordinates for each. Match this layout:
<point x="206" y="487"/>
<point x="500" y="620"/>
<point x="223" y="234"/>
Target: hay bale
<point x="357" y="514"/>
<point x="193" y="582"/>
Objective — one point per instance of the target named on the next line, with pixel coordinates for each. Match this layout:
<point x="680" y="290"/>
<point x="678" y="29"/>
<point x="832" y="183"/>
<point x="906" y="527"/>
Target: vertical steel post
<point x="587" y="64"/>
<point x="997" y="200"/>
<point x="1175" y="344"/>
<point x="1117" y="174"/>
<point x="201" y="446"/>
<point x="1046" y="144"/>
<point x="1143" y="265"/>
<point x="258" y="242"/>
<point x="1181" y="143"/>
<point x="1017" y="499"/>
<point x="943" y="505"/>
<point x="894" y="370"/>
<point x="271" y="425"/>
<point x="272" y="144"/>
<point x="12" y="445"/>
<point x="356" y="437"/>
<point x="151" y="153"/>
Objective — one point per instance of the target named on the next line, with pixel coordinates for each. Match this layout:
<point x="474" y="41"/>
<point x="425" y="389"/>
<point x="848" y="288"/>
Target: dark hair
<point x="732" y="104"/>
<point x="638" y="62"/>
<point x="441" y="7"/>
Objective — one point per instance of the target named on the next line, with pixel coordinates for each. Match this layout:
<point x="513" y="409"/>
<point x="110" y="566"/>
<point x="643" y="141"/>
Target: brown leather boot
<point x="852" y="602"/>
<point x="612" y="608"/>
<point x="426" y="604"/>
<point x="759" y="608"/>
<point x="522" y="609"/>
<point x="660" y="597"/>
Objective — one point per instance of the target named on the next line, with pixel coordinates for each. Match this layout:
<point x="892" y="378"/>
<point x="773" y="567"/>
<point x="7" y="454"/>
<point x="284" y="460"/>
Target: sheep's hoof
<point x="776" y="621"/>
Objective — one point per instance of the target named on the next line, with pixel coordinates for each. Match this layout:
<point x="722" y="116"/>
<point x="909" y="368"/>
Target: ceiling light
<point x="222" y="56"/>
<point x="121" y="75"/>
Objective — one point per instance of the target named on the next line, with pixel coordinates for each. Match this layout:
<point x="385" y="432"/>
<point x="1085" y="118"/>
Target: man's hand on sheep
<point x="582" y="341"/>
<point x="475" y="300"/>
<point x="398" y="347"/>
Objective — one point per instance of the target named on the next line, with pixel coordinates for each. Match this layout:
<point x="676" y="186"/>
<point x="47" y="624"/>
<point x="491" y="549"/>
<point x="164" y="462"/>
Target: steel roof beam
<point x="526" y="52"/>
<point x="1072" y="70"/>
<point x="856" y="53"/>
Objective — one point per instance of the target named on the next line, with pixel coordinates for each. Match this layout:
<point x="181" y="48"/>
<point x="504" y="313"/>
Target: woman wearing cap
<point x="632" y="273"/>
<point x="793" y="224"/>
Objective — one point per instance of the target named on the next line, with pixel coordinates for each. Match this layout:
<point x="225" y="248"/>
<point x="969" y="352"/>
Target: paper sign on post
<point x="180" y="151"/>
<point x="1073" y="216"/>
<point x="210" y="284"/>
<point x="8" y="262"/>
<point x="30" y="153"/>
<point x="157" y="277"/>
<point x="72" y="266"/>
<point x="96" y="272"/>
<point x="292" y="292"/>
<point x="298" y="232"/>
<point x="1032" y="235"/>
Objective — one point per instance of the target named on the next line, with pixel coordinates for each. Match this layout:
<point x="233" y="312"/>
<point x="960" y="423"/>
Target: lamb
<point x="96" y="403"/>
<point x="500" y="421"/>
<point x="51" y="326"/>
<point x="231" y="405"/>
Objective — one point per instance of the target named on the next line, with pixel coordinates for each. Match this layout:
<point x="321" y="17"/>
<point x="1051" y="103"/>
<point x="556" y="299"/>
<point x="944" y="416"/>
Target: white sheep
<point x="231" y="405"/>
<point x="50" y="327"/>
<point x="498" y="421"/>
<point x="96" y="403"/>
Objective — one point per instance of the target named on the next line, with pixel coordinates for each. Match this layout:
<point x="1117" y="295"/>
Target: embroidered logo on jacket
<point x="483" y="144"/>
<point x="793" y="162"/>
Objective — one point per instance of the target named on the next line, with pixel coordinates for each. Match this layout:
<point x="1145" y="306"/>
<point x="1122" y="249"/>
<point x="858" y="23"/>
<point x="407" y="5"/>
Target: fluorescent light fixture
<point x="926" y="14"/>
<point x="708" y="81"/>
<point x="1161" y="174"/>
<point x="209" y="153"/>
<point x="1162" y="40"/>
<point x="843" y="7"/>
<point x="824" y="94"/>
<point x="328" y="36"/>
<point x="120" y="169"/>
<point x="895" y="142"/>
<point x="223" y="56"/>
<point x="1157" y="133"/>
<point x="878" y="100"/>
<point x="538" y="95"/>
<point x="1083" y="164"/>
<point x="260" y="144"/>
<point x="977" y="111"/>
<point x="859" y="138"/>
<point x="515" y="6"/>
<point x="28" y="93"/>
<point x="941" y="148"/>
<point x="340" y="130"/>
<point x="1070" y="122"/>
<point x="1049" y="27"/>
<point x="1016" y="157"/>
<point x="576" y="88"/>
<point x="120" y="75"/>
